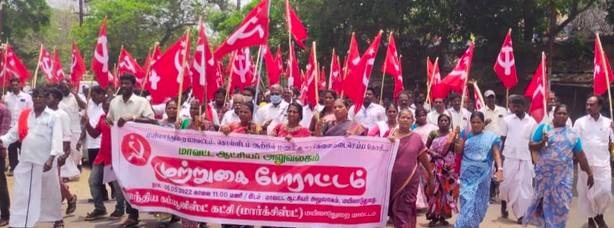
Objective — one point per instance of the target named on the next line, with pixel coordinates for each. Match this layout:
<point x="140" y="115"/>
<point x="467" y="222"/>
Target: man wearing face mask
<point x="273" y="113"/>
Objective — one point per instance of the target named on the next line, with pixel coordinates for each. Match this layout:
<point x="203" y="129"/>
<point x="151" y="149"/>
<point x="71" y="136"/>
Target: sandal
<point x="130" y="222"/>
<point x="94" y="215"/>
<point x="72" y="205"/>
<point x="4" y="222"/>
<point x="58" y="224"/>
<point x="433" y="223"/>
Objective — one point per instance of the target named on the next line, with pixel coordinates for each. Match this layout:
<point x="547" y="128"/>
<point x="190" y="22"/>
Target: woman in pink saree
<point x="341" y="125"/>
<point x="383" y="128"/>
<point x="405" y="180"/>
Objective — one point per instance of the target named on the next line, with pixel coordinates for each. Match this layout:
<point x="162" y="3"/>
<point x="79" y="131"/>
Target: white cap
<point x="489" y="93"/>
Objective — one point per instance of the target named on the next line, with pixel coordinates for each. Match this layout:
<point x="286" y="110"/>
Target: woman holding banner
<point x="383" y="128"/>
<point x="327" y="112"/>
<point x="441" y="148"/>
<point x="293" y="128"/>
<point x="478" y="148"/>
<point x="405" y="181"/>
<point x="245" y="125"/>
<point x="554" y="171"/>
<point x="341" y="125"/>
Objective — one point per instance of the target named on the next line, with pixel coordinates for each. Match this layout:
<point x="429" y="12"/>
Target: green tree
<point x="138" y="24"/>
<point x="22" y="16"/>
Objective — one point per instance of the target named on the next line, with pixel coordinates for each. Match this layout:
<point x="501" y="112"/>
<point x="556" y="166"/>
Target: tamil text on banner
<point x="255" y="180"/>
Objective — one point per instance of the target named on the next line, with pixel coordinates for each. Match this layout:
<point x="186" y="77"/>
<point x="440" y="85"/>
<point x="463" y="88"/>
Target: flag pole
<point x="146" y="78"/>
<point x="232" y="67"/>
<point x="345" y="71"/>
<point x="40" y="55"/>
<point x="181" y="75"/>
<point x="381" y="94"/>
<point x="259" y="69"/>
<point x="330" y="75"/>
<point x="203" y="63"/>
<point x="6" y="52"/>
<point x="507" y="98"/>
<point x="431" y="78"/>
<point x="316" y="80"/>
<point x="465" y="84"/>
<point x="607" y="77"/>
<point x="114" y="78"/>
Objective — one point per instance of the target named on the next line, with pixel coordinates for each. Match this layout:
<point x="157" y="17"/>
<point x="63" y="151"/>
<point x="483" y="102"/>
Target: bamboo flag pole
<point x="507" y="97"/>
<point x="381" y="93"/>
<point x="181" y="75"/>
<point x="6" y="52"/>
<point x="465" y="85"/>
<point x="316" y="80"/>
<point x="330" y="75"/>
<point x="40" y="55"/>
<point x="232" y="68"/>
<point x="607" y="77"/>
<point x="146" y="78"/>
<point x="431" y="78"/>
<point x="115" y="78"/>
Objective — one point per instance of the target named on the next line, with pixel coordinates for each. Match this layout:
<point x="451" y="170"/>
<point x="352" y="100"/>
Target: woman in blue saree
<point x="478" y="148"/>
<point x="554" y="171"/>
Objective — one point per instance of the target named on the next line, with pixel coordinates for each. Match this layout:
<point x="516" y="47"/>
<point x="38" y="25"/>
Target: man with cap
<point x="493" y="114"/>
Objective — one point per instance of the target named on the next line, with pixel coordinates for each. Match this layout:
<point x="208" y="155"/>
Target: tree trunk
<point x="238" y="5"/>
<point x="528" y="17"/>
<point x="552" y="36"/>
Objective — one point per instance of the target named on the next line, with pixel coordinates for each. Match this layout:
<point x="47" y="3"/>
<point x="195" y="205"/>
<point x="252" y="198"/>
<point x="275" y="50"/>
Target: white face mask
<point x="276" y="99"/>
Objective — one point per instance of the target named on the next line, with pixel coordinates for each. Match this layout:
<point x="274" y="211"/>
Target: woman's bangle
<point x="590" y="174"/>
<point x="500" y="169"/>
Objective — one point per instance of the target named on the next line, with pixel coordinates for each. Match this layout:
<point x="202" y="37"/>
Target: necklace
<point x="291" y="130"/>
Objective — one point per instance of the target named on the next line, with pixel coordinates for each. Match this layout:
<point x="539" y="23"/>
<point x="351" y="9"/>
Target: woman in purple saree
<point x="405" y="180"/>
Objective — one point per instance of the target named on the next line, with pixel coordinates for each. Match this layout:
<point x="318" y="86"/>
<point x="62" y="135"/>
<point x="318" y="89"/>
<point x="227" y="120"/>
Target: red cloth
<point x="23" y="123"/>
<point x="104" y="154"/>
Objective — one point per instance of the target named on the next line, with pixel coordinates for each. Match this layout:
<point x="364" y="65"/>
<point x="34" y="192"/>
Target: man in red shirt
<point x="102" y="160"/>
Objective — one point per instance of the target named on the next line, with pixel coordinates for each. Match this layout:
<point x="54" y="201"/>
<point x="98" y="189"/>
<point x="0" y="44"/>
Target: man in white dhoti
<point x="516" y="191"/>
<point x="71" y="104"/>
<point x="596" y="135"/>
<point x="40" y="132"/>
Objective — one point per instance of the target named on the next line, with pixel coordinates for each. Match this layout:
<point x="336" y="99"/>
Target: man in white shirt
<point x="122" y="109"/>
<point x="596" y="135"/>
<point x="406" y="101"/>
<point x="233" y="115"/>
<point x="273" y="113"/>
<point x="37" y="169"/>
<point x="370" y="113"/>
<point x="71" y="104"/>
<point x="460" y="116"/>
<point x="440" y="108"/>
<point x="16" y="101"/>
<point x="493" y="113"/>
<point x="516" y="190"/>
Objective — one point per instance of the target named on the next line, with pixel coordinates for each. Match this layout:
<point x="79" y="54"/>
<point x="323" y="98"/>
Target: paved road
<point x="81" y="188"/>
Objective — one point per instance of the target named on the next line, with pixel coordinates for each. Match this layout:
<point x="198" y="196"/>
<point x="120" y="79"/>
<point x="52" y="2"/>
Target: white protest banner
<point x="255" y="180"/>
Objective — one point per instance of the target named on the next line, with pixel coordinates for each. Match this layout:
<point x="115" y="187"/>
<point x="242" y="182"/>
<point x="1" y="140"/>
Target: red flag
<point x="335" y="74"/>
<point x="77" y="66"/>
<point x="241" y="70"/>
<point x="292" y="71"/>
<point x="505" y="67"/>
<point x="156" y="54"/>
<point x="457" y="79"/>
<point x="254" y="30"/>
<point x="46" y="64"/>
<point x="129" y="65"/>
<point x="538" y="91"/>
<point x="279" y="60"/>
<point x="392" y="64"/>
<point x="204" y="69"/>
<point x="312" y="75"/>
<point x="322" y="81"/>
<point x="303" y="88"/>
<point x="355" y="85"/>
<point x="58" y="73"/>
<point x="295" y="26"/>
<point x="434" y="80"/>
<point x="477" y="95"/>
<point x="353" y="54"/>
<point x="100" y="61"/>
<point x="602" y="68"/>
<point x="14" y="67"/>
<point x="271" y="65"/>
<point x="166" y="73"/>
